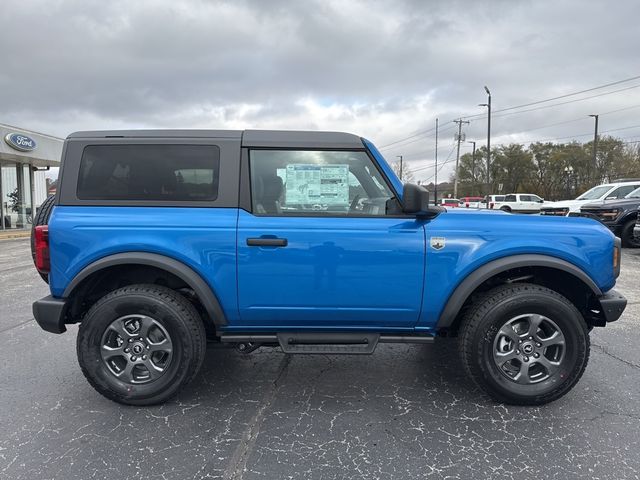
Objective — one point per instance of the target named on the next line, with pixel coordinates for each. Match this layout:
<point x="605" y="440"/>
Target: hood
<point x="624" y="203"/>
<point x="570" y="204"/>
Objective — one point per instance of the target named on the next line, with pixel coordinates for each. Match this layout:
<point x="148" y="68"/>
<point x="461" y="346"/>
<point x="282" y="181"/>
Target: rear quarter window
<point x="179" y="173"/>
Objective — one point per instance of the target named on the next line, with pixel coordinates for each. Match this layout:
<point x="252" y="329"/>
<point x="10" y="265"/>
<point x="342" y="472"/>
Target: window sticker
<point x="317" y="184"/>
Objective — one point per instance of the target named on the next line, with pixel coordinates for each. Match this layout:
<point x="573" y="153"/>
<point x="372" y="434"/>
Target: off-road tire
<point x="41" y="218"/>
<point x="506" y="209"/>
<point x="176" y="315"/>
<point x="486" y="316"/>
<point x="628" y="240"/>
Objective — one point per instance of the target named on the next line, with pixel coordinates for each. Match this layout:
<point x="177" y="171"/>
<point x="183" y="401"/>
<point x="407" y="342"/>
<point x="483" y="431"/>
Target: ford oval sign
<point x="20" y="142"/>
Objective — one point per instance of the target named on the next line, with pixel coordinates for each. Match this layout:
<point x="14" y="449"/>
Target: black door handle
<point x="267" y="242"/>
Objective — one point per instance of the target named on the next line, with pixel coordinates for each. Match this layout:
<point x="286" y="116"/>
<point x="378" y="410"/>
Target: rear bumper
<point x="49" y="313"/>
<point x="613" y="304"/>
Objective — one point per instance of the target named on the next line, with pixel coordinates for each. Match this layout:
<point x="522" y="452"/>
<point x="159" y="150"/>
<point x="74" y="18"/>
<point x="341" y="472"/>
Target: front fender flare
<point x="204" y="292"/>
<point x="490" y="269"/>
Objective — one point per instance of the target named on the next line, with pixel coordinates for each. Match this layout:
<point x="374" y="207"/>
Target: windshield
<point x="634" y="194"/>
<point x="595" y="193"/>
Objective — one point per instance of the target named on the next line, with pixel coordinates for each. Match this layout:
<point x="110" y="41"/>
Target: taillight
<point x="491" y="205"/>
<point x="43" y="263"/>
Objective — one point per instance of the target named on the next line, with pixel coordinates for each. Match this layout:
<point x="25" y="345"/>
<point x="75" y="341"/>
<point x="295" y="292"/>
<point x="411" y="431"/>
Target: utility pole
<point x="473" y="166"/>
<point x="435" y="196"/>
<point x="400" y="157"/>
<point x="488" y="105"/>
<point x="595" y="146"/>
<point x="455" y="181"/>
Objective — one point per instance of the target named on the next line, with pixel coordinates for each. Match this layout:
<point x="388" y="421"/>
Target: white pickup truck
<point x="598" y="194"/>
<point x="521" y="203"/>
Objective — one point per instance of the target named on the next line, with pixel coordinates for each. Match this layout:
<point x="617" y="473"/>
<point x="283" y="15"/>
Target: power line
<point x="537" y="102"/>
<point x="386" y="147"/>
<point x="543" y="107"/>
<point x="515" y="107"/>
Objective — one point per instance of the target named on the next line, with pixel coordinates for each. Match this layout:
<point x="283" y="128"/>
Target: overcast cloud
<point x="381" y="69"/>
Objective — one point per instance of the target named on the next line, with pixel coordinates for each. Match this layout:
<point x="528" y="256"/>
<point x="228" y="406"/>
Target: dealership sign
<point x="20" y="142"/>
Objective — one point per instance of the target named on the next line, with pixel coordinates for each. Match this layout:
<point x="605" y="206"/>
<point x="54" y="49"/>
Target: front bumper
<point x="613" y="304"/>
<point x="49" y="313"/>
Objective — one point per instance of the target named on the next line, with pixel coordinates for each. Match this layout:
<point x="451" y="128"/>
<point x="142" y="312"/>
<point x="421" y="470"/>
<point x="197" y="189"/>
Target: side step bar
<point x="325" y="343"/>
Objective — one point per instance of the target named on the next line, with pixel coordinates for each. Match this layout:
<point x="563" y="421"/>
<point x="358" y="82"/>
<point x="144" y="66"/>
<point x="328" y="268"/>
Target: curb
<point x="14" y="235"/>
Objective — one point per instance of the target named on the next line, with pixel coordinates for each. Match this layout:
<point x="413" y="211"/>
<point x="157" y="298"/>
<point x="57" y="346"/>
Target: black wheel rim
<point x="529" y="349"/>
<point x="136" y="349"/>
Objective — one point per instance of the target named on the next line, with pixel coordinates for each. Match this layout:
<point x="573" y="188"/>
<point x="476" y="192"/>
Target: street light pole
<point x="400" y="157"/>
<point x="595" y="145"/>
<point x="473" y="166"/>
<point x="488" y="105"/>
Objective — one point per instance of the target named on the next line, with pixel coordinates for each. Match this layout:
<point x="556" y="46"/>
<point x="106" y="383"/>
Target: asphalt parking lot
<point x="405" y="412"/>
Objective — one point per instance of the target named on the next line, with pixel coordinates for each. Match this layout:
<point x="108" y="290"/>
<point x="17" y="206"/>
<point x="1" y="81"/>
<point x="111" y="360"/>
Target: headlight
<point x="610" y="214"/>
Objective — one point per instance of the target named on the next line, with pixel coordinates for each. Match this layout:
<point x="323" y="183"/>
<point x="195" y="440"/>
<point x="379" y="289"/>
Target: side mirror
<point x="415" y="199"/>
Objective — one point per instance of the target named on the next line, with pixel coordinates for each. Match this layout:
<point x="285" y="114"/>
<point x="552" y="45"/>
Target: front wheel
<point x="628" y="238"/>
<point x="524" y="344"/>
<point x="139" y="344"/>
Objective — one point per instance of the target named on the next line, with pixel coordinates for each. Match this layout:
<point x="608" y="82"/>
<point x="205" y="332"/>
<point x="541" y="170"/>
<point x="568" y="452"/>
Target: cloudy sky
<point x="381" y="69"/>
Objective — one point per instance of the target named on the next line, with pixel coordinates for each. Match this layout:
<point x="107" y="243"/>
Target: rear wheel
<point x="506" y="209"/>
<point x="140" y="344"/>
<point x="628" y="239"/>
<point x="524" y="344"/>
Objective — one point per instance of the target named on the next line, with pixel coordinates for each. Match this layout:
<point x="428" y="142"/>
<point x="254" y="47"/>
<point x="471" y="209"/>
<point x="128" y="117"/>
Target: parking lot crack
<point x="609" y="354"/>
<point x="238" y="464"/>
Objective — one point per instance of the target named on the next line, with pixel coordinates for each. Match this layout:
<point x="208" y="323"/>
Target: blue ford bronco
<point x="159" y="242"/>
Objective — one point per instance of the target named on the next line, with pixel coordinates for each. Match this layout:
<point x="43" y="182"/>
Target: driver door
<point x="318" y="248"/>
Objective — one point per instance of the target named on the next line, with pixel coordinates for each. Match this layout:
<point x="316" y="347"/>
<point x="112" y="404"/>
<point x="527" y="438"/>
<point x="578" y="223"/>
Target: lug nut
<point x="519" y="341"/>
<point x="538" y="344"/>
<point x="530" y="338"/>
<point x="536" y="355"/>
<point x="126" y="350"/>
<point x="526" y="359"/>
<point x="130" y="340"/>
<point x="133" y="358"/>
<point x="518" y="352"/>
<point x="144" y="357"/>
<point x="148" y="347"/>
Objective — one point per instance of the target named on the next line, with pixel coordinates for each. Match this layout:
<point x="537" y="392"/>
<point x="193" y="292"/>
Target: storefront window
<point x="16" y="211"/>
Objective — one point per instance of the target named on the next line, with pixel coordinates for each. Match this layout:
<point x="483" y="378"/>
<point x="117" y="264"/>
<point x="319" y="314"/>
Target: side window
<point x="294" y="182"/>
<point x="621" y="192"/>
<point x="178" y="173"/>
<point x="510" y="198"/>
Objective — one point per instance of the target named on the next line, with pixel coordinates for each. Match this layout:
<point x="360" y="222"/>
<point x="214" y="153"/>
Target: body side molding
<point x="488" y="270"/>
<point x="204" y="292"/>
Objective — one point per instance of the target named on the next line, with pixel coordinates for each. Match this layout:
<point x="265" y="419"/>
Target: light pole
<point x="595" y="146"/>
<point x="473" y="166"/>
<point x="400" y="157"/>
<point x="488" y="105"/>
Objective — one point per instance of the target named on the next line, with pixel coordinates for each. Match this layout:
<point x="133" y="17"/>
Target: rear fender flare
<point x="204" y="292"/>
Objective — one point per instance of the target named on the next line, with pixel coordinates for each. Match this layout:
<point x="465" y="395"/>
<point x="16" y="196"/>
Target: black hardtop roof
<point x="250" y="138"/>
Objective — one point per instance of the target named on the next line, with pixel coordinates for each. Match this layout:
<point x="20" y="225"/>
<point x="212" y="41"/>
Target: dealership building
<point x="25" y="157"/>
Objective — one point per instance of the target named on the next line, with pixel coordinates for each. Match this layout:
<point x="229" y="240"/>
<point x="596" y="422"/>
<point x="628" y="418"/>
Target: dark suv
<point x="619" y="216"/>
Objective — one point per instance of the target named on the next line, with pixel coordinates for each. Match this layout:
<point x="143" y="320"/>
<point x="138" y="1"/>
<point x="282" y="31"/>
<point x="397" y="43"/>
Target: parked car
<point x="159" y="241"/>
<point x="492" y="202"/>
<point x="619" y="216"/>
<point x="598" y="194"/>
<point x="471" y="202"/>
<point x="521" y="203"/>
<point x="451" y="202"/>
